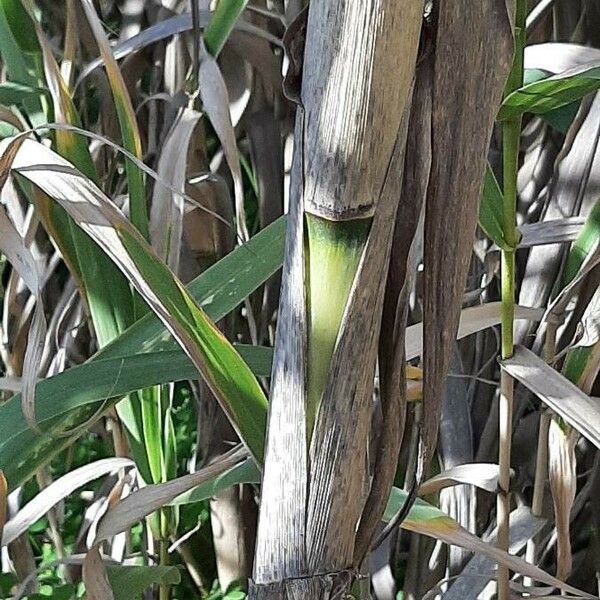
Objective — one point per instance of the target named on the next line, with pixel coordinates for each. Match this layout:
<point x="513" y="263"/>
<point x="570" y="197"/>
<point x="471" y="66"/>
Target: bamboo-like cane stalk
<point x="349" y="137"/>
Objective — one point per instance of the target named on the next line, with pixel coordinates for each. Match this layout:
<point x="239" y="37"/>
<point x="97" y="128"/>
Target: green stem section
<point x="218" y="30"/>
<point x="334" y="250"/>
<point x="511" y="144"/>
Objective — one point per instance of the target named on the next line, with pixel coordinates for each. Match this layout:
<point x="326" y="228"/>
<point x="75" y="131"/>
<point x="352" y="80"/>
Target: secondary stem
<point x="165" y="588"/>
<point x="511" y="143"/>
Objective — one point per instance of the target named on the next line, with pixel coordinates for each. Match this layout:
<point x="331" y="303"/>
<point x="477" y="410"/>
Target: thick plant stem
<point x="511" y="143"/>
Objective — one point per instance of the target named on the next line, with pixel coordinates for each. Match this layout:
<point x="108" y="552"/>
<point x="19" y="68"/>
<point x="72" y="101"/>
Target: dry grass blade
<point x="557" y="57"/>
<point x="472" y="320"/>
<point x="559" y="305"/>
<point x="481" y="570"/>
<point x="11" y="384"/>
<point x="58" y="491"/>
<point x="144" y="502"/>
<point x="166" y="29"/>
<point x="215" y="100"/>
<point x="557" y="231"/>
<point x="557" y="392"/>
<point x="166" y="217"/>
<point x="445" y="529"/>
<point x="482" y="475"/>
<point x="20" y="256"/>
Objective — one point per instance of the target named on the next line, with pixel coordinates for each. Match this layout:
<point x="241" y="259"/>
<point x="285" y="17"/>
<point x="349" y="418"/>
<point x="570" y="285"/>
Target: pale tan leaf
<point x="481" y="475"/>
<point x="215" y="101"/>
<point x="480" y="570"/>
<point x="472" y="320"/>
<point x="166" y="214"/>
<point x="557" y="57"/>
<point x="150" y="498"/>
<point x="560" y="303"/>
<point x="557" y="231"/>
<point x="13" y="246"/>
<point x="427" y="520"/>
<point x="57" y="491"/>
<point x="557" y="392"/>
<point x="11" y="384"/>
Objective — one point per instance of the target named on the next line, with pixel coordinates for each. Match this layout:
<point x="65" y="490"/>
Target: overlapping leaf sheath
<point x="358" y="74"/>
<point x="468" y="80"/>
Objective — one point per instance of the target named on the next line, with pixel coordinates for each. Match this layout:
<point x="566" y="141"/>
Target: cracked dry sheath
<point x="348" y="131"/>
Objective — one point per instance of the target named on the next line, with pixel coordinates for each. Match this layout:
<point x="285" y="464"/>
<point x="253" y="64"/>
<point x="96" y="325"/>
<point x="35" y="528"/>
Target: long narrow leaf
<point x="225" y="372"/>
<point x="551" y="93"/>
<point x="69" y="399"/>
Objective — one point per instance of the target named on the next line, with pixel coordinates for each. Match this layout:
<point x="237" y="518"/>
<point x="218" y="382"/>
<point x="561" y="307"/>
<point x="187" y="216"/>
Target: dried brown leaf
<point x="470" y="71"/>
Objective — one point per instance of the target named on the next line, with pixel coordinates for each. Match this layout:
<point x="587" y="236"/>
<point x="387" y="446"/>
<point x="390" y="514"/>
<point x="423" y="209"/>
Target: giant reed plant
<point x="393" y="109"/>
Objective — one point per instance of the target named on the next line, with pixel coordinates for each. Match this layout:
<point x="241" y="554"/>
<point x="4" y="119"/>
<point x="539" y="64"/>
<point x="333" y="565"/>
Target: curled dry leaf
<point x="166" y="216"/>
<point x="481" y="475"/>
<point x="215" y="101"/>
<point x="13" y="246"/>
<point x="562" y="472"/>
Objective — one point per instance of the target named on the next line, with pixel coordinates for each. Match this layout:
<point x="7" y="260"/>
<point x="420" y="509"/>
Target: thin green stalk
<point x="511" y="143"/>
